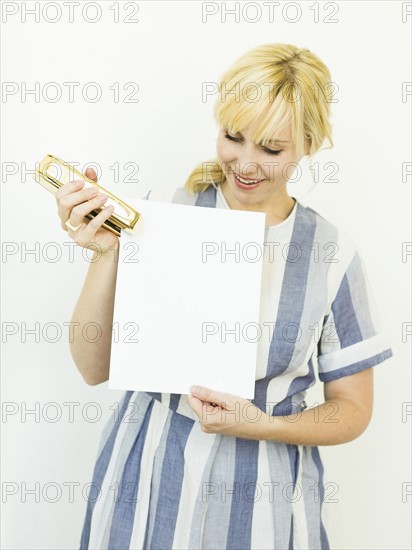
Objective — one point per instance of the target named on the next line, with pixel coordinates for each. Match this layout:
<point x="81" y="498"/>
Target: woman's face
<point x="269" y="168"/>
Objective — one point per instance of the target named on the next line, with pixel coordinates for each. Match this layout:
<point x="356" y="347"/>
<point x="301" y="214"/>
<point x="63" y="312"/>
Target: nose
<point x="247" y="162"/>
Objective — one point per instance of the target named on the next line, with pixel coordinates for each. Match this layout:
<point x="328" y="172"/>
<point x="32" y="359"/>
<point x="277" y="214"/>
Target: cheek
<point x="224" y="150"/>
<point x="288" y="167"/>
<point x="279" y="168"/>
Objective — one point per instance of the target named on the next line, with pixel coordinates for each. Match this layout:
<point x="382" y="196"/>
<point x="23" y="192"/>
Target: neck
<point x="277" y="209"/>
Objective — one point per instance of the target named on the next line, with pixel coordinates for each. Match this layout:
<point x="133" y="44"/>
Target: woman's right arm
<point x="90" y="348"/>
<point x="92" y="318"/>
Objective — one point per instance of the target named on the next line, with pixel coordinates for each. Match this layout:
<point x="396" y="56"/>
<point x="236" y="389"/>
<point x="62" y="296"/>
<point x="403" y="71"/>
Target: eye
<point x="271" y="151"/>
<point x="228" y="136"/>
<point x="268" y="151"/>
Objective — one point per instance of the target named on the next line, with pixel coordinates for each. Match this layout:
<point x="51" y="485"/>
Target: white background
<point x="169" y="53"/>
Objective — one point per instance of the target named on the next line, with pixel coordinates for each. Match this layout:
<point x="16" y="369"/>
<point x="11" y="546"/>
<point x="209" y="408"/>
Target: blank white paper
<point x="187" y="294"/>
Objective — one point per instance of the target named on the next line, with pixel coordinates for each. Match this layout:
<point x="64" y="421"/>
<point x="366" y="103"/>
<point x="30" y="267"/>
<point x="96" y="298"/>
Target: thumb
<point x="90" y="173"/>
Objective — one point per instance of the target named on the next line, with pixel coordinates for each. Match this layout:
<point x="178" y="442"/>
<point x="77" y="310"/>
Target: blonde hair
<point x="268" y="87"/>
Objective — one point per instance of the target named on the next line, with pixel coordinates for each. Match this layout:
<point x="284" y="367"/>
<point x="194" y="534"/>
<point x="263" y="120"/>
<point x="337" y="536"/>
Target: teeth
<point x="247" y="182"/>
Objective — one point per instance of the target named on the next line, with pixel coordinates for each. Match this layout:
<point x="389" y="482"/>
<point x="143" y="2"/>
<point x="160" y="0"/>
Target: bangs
<point x="260" y="106"/>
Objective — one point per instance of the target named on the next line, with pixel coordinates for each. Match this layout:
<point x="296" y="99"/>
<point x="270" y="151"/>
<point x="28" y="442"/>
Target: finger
<point x="196" y="405"/>
<point x="202" y="410"/>
<point x="205" y="394"/>
<point x="66" y="203"/>
<point x="93" y="225"/>
<point x="78" y="212"/>
<point x="90" y="173"/>
<point x="67" y="188"/>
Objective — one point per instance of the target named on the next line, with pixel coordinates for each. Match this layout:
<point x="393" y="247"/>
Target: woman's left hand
<point x="226" y="414"/>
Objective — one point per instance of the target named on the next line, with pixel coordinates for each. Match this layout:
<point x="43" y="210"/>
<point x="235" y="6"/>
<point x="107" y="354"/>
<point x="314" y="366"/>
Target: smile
<point x="244" y="183"/>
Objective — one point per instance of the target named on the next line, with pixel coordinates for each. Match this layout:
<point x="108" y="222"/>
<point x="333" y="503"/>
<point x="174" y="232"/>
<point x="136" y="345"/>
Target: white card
<point x="187" y="298"/>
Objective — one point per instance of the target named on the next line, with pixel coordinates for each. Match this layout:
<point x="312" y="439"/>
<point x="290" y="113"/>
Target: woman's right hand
<point x="74" y="203"/>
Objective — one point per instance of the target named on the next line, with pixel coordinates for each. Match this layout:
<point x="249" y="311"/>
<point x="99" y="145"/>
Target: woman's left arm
<point x="343" y="416"/>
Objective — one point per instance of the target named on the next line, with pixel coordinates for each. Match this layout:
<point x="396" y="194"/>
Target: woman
<point x="212" y="470"/>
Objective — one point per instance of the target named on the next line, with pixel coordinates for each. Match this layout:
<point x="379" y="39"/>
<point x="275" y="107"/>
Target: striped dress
<point x="161" y="483"/>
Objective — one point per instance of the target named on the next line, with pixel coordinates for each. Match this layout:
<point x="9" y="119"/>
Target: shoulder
<point x="327" y="232"/>
<point x="332" y="249"/>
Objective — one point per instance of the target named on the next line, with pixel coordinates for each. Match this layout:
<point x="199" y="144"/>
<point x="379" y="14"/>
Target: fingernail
<point x="194" y="389"/>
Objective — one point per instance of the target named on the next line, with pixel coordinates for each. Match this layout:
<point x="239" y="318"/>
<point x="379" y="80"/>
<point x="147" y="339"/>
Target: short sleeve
<point x="351" y="338"/>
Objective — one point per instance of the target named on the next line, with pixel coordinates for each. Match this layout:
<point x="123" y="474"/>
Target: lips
<point x="243" y="179"/>
<point x="243" y="185"/>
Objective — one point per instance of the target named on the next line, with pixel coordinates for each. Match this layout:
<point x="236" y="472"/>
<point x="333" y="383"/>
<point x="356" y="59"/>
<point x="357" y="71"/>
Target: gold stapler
<point x="53" y="173"/>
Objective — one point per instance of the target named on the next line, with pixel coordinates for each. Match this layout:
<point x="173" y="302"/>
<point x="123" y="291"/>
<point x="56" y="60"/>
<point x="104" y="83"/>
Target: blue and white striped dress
<point x="161" y="483"/>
